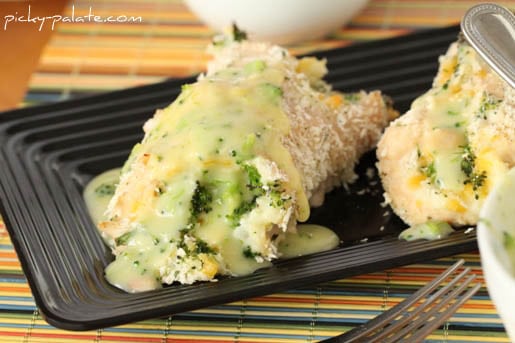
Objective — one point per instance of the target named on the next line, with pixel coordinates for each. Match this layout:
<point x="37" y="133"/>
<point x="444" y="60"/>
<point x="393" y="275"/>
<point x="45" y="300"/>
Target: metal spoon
<point x="490" y="29"/>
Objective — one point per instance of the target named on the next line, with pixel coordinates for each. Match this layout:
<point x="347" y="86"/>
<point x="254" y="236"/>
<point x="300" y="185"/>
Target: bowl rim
<point x="499" y="278"/>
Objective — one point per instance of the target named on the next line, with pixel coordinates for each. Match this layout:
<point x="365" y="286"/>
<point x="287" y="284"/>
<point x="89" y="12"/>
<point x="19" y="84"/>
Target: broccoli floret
<point x="488" y="103"/>
<point x="248" y="253"/>
<point x="245" y="207"/>
<point x="200" y="202"/>
<point x="124" y="239"/>
<point x="477" y="180"/>
<point x="352" y="97"/>
<point x="255" y="187"/>
<point x="237" y="34"/>
<point x="253" y="176"/>
<point x="429" y="171"/>
<point x="468" y="161"/>
<point x="277" y="199"/>
<point x="203" y="247"/>
<point x="271" y="92"/>
<point x="105" y="189"/>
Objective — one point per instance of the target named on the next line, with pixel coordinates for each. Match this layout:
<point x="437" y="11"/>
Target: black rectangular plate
<point x="49" y="153"/>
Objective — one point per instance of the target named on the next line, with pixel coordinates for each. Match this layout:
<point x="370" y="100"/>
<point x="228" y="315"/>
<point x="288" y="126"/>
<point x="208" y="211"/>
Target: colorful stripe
<point x="85" y="58"/>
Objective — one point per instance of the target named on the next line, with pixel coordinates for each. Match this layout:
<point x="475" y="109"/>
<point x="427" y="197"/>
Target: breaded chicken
<point x="329" y="130"/>
<point x="229" y="167"/>
<point x="440" y="159"/>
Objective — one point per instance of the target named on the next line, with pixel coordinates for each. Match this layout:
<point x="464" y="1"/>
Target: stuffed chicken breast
<point x="230" y="167"/>
<point x="440" y="159"/>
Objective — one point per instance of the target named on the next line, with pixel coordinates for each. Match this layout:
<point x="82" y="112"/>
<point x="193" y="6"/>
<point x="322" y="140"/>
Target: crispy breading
<point x="440" y="160"/>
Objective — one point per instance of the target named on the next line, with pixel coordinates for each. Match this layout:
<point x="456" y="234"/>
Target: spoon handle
<point x="490" y="29"/>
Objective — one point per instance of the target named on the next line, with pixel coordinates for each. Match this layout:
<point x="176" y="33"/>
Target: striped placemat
<point x="87" y="58"/>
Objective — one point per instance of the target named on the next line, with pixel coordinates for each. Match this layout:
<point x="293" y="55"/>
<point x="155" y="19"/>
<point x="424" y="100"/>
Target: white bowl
<point x="497" y="221"/>
<point x="278" y="21"/>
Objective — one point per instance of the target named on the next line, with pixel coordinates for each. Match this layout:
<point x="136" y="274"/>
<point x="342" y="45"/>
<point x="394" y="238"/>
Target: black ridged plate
<point x="49" y="153"/>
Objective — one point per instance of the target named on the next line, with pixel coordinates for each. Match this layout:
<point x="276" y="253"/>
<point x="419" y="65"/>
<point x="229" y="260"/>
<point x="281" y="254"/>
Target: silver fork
<point x="419" y="315"/>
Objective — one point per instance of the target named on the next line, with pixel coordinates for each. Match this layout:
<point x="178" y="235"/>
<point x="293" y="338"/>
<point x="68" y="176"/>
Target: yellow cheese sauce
<point x="445" y="154"/>
<point x="99" y="192"/>
<point x="430" y="231"/>
<point x="210" y="190"/>
<point x="307" y="239"/>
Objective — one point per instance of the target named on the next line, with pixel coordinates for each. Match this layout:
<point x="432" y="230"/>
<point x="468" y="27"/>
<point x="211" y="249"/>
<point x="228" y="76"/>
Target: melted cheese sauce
<point x="445" y="154"/>
<point x="308" y="239"/>
<point x="209" y="189"/>
<point x="99" y="192"/>
<point x="430" y="231"/>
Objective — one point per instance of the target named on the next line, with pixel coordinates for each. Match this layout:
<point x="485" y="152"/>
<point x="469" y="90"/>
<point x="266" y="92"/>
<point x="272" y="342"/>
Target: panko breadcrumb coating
<point x="228" y="168"/>
<point x="440" y="159"/>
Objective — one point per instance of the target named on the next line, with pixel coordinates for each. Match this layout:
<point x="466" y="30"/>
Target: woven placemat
<point x="86" y="58"/>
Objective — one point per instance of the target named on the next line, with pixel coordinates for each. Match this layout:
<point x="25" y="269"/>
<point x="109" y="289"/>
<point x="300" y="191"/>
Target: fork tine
<point x="406" y="322"/>
<point x="420" y="316"/>
<point x="443" y="316"/>
<point x="360" y="332"/>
